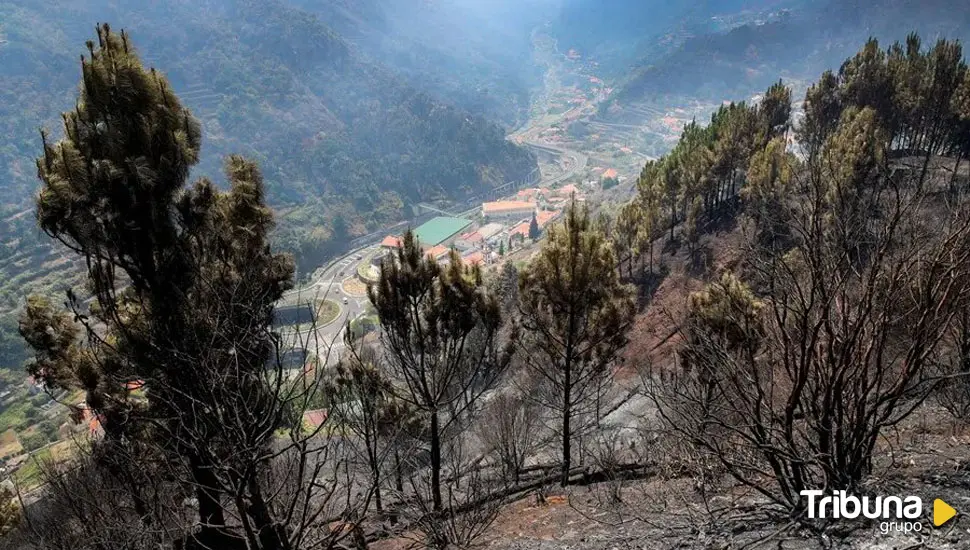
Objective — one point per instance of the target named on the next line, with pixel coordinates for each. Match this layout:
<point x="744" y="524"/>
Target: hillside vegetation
<point x="776" y="304"/>
<point x="835" y="271"/>
<point x="346" y="143"/>
<point x="825" y="272"/>
<point x="625" y="34"/>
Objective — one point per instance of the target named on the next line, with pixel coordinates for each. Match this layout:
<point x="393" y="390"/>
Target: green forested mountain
<point x="664" y="52"/>
<point x="344" y="141"/>
<point x="334" y="131"/>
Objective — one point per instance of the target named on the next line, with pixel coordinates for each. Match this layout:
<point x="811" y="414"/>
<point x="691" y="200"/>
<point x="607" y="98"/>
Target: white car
<point x="345" y="299"/>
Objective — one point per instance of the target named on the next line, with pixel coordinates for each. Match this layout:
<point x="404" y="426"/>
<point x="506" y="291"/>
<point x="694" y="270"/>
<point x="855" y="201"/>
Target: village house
<point x="470" y="240"/>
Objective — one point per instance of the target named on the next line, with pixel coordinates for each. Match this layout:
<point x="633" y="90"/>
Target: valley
<point x="500" y="274"/>
<point x="565" y="130"/>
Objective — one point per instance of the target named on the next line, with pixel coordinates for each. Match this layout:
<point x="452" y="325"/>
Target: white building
<point x="490" y="230"/>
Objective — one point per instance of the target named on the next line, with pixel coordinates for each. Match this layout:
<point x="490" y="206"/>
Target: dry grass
<point x="10" y="444"/>
<point x="354" y="287"/>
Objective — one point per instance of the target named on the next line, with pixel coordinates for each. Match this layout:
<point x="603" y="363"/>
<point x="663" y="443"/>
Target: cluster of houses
<point x="503" y="226"/>
<point x="84" y="422"/>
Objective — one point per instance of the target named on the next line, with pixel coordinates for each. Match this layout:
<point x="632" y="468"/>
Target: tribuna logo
<point x="842" y="505"/>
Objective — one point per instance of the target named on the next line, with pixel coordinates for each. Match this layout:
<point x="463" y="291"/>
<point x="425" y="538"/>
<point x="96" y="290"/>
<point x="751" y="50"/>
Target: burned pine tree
<point x="441" y="332"/>
<point x="184" y="283"/>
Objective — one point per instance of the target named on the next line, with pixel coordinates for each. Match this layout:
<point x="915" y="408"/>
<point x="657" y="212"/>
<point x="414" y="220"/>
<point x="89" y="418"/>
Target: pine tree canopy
<point x="184" y="282"/>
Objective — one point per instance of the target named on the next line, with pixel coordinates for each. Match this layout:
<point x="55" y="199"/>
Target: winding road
<point x="327" y="341"/>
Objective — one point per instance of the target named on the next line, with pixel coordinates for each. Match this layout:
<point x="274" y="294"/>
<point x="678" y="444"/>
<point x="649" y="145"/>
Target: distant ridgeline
<point x="794" y="40"/>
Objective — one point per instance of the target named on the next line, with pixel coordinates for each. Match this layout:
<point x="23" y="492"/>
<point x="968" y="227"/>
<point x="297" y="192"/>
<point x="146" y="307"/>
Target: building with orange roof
<point x="543" y="217"/>
<point x="467" y="241"/>
<point x="528" y="194"/>
<point x="567" y="190"/>
<point x="475" y="258"/>
<point x="94" y="427"/>
<point x="315" y="418"/>
<point x="508" y="209"/>
<point x="391" y="242"/>
<point x="87" y="419"/>
<point x="490" y="231"/>
<point x="609" y="173"/>
<point x="437" y="252"/>
<point x="520" y="230"/>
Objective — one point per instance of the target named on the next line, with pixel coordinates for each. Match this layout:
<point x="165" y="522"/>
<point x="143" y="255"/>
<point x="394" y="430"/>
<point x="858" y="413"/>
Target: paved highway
<point x="573" y="162"/>
<point x="325" y="284"/>
<point x="327" y="341"/>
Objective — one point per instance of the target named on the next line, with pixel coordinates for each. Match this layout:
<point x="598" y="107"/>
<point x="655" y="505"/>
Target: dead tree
<point x="510" y="430"/>
<point x="464" y="517"/>
<point x="791" y="389"/>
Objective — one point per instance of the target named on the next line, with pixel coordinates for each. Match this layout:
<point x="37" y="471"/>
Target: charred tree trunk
<point x="211" y="513"/>
<point x="566" y="413"/>
<point x="270" y="535"/>
<point x="435" y="462"/>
